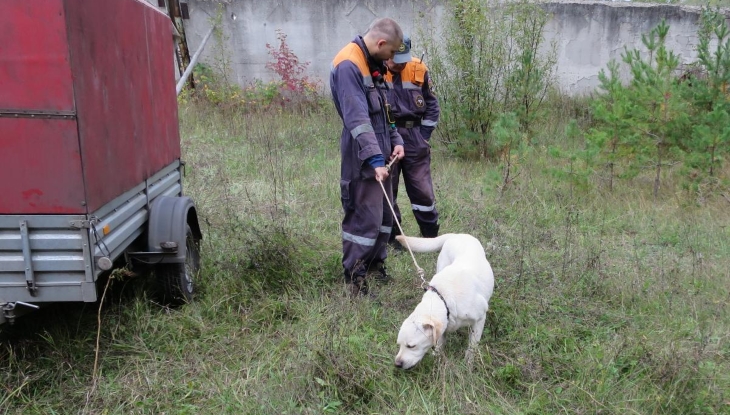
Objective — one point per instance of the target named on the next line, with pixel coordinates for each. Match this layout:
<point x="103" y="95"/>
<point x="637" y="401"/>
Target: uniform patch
<point x="430" y="86"/>
<point x="420" y="102"/>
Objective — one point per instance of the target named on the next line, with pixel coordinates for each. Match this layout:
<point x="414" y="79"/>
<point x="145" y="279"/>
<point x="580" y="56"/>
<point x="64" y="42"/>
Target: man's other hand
<point x="397" y="154"/>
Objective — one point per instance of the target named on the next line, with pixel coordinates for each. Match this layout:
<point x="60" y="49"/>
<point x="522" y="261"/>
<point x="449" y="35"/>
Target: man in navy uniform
<point x="416" y="112"/>
<point x="367" y="143"/>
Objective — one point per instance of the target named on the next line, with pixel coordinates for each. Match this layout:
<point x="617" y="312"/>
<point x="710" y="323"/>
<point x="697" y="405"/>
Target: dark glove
<point x="426" y="132"/>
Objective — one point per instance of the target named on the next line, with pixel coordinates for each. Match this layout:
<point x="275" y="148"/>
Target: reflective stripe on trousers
<point x="367" y="224"/>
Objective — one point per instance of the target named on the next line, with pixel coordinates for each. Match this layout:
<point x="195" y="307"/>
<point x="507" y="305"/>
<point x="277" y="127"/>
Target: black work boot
<point x="377" y="270"/>
<point x="429" y="230"/>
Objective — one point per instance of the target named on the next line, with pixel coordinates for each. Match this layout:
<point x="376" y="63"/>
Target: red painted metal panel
<point x="34" y="59"/>
<point x="110" y="62"/>
<point x="40" y="165"/>
<point x="122" y="61"/>
<point x="163" y="115"/>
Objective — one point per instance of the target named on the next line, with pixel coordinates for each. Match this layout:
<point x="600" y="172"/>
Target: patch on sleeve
<point x="420" y="102"/>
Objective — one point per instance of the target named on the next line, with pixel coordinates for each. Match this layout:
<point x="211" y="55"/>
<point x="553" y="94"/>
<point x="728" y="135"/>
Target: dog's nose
<point x="398" y="364"/>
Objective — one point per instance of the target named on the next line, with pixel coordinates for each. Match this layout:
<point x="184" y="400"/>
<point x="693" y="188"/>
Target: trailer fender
<point x="169" y="220"/>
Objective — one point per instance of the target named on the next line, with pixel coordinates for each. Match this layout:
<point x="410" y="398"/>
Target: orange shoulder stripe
<point x="354" y="54"/>
<point x="414" y="72"/>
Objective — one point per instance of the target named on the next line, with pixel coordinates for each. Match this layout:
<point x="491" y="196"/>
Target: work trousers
<point x="366" y="225"/>
<point x="416" y="170"/>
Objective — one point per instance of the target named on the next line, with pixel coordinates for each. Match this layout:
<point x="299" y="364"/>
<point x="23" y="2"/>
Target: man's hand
<point x="397" y="154"/>
<point x="381" y="173"/>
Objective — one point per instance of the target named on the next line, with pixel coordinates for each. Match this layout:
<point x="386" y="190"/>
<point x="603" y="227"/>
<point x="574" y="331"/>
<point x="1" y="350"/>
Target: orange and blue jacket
<point x="411" y="96"/>
<point x="360" y="101"/>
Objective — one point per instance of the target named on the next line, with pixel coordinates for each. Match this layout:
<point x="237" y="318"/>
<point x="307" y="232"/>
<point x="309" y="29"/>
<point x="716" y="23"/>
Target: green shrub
<point x="487" y="62"/>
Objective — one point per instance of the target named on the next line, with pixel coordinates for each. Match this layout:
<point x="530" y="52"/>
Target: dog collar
<point x="432" y="288"/>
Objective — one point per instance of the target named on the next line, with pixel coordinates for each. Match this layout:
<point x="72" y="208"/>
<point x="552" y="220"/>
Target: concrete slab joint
<point x="360" y="17"/>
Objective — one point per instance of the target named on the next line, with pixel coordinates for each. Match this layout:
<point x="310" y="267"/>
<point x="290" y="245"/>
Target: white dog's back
<point x="451" y="245"/>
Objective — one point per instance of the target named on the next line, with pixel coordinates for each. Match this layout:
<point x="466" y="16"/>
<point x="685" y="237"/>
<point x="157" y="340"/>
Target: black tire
<point x="178" y="280"/>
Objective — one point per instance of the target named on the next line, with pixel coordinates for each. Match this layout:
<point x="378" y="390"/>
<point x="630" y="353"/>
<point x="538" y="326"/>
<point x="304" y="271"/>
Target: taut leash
<point x="419" y="270"/>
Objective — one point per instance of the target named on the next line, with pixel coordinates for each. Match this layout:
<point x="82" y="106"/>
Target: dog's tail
<point x="424" y="244"/>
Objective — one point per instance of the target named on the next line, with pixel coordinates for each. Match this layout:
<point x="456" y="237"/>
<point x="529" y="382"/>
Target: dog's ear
<point x="436" y="329"/>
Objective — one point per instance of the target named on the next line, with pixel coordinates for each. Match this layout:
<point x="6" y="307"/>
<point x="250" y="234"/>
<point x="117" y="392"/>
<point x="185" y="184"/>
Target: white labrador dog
<point x="457" y="296"/>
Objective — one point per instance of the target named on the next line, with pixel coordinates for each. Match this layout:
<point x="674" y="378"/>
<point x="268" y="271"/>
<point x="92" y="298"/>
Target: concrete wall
<point x="586" y="34"/>
<point x="589" y="35"/>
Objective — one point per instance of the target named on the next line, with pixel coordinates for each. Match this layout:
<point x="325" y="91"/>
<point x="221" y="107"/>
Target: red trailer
<point x="90" y="168"/>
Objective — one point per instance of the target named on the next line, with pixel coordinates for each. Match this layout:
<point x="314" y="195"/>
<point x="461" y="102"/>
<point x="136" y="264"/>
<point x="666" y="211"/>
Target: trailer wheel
<point x="178" y="280"/>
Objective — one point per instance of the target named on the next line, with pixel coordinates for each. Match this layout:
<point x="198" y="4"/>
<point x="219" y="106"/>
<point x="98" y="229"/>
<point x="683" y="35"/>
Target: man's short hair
<point x="386" y="28"/>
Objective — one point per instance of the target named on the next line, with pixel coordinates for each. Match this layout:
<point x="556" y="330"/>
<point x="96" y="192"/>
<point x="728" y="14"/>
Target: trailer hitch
<point x="9" y="310"/>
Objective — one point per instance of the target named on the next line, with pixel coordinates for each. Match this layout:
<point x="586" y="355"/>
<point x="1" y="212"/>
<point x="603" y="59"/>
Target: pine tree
<point x="659" y="114"/>
<point x="610" y="141"/>
<point x="708" y="91"/>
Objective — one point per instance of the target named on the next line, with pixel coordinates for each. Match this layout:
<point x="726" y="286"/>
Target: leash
<point x="424" y="284"/>
<point x="419" y="270"/>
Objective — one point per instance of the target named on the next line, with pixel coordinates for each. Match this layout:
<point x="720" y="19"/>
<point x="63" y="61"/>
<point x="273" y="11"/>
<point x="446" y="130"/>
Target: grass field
<point x="605" y="303"/>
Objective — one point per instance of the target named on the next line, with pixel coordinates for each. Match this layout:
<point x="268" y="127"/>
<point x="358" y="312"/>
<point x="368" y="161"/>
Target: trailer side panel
<point x="57" y="258"/>
<point x="122" y="60"/>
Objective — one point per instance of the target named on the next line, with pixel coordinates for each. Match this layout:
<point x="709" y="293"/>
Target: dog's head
<point x="415" y="338"/>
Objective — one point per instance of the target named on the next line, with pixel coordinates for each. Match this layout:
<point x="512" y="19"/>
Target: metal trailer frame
<point x="58" y="258"/>
<point x="90" y="170"/>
